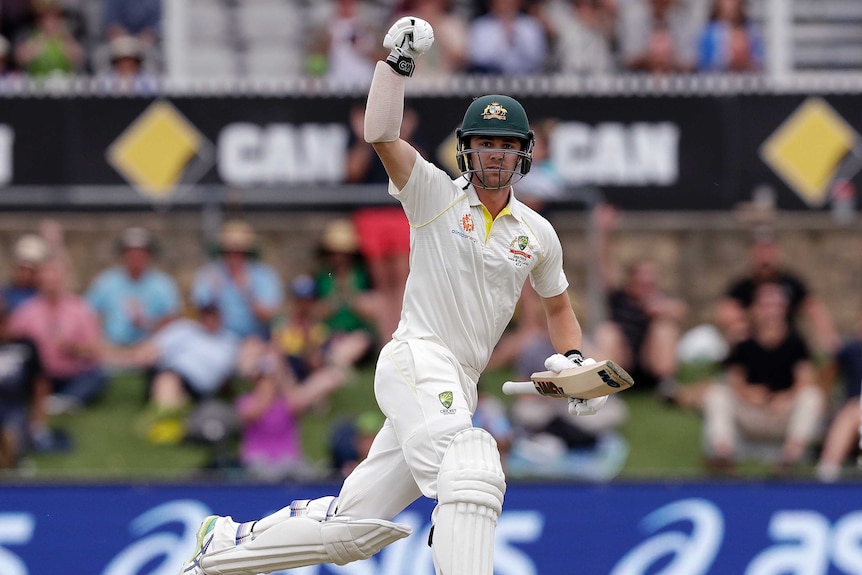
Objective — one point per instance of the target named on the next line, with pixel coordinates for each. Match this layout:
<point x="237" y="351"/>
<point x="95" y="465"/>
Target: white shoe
<point x="205" y="535"/>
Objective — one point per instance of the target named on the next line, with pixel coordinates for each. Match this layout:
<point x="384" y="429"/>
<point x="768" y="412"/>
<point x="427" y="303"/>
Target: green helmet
<point x="495" y="115"/>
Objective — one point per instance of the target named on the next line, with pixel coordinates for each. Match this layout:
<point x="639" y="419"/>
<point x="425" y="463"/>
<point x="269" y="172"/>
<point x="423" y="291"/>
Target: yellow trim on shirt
<point x="489" y="219"/>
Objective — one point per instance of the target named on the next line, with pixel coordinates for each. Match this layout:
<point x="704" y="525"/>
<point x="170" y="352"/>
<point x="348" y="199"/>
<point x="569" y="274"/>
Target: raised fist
<point x="407" y="39"/>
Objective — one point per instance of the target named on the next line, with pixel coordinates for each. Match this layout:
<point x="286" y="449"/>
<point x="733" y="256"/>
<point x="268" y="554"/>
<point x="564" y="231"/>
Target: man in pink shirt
<point x="67" y="334"/>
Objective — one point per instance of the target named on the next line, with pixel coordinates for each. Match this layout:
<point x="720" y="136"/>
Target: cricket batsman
<point x="472" y="247"/>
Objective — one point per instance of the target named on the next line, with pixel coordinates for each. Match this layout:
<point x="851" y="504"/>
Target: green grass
<point x="664" y="441"/>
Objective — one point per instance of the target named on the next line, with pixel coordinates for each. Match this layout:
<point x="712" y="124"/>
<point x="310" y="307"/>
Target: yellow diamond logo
<point x="808" y="150"/>
<point x="160" y="152"/>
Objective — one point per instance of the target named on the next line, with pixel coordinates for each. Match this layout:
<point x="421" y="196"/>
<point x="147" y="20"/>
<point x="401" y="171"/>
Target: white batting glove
<point x="408" y="38"/>
<point x="558" y="362"/>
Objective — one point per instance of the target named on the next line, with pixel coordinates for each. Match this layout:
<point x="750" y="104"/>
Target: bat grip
<point x="519" y="387"/>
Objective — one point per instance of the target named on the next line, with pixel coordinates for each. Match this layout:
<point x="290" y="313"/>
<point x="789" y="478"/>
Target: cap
<point x="31" y="249"/>
<point x="340" y="236"/>
<point x="136" y="238"/>
<point x="125" y="47"/>
<point x="303" y="286"/>
<point x="237" y="236"/>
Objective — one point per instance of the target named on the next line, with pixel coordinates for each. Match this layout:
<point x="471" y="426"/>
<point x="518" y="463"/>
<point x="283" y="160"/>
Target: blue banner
<point x="548" y="529"/>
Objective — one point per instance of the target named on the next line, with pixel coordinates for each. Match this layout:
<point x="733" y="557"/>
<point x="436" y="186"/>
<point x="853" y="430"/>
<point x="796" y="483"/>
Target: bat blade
<point x="585" y="382"/>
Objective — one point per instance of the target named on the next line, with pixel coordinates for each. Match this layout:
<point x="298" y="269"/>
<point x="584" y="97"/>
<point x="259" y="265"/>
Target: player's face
<point x="495" y="160"/>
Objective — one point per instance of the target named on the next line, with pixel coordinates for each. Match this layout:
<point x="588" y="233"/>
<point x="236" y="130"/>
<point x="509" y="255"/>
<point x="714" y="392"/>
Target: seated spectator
<point x="766" y="265"/>
<point x="582" y="35"/>
<point x="842" y="434"/>
<point x="643" y="328"/>
<point x="344" y="289"/>
<point x="6" y="68"/>
<point x="351" y="440"/>
<point x="659" y="35"/>
<point x="346" y="41"/>
<point x="141" y="19"/>
<point x="126" y="70"/>
<point x="49" y="47"/>
<point x="134" y="298"/>
<point x="270" y="442"/>
<point x="190" y="360"/>
<point x="23" y="389"/>
<point x="544" y="182"/>
<point x="507" y="41"/>
<point x="771" y="391"/>
<point x="306" y="342"/>
<point x="382" y="231"/>
<point x="28" y="254"/>
<point x="68" y="336"/>
<point x="550" y="443"/>
<point x="247" y="291"/>
<point x="449" y="55"/>
<point x="730" y="42"/>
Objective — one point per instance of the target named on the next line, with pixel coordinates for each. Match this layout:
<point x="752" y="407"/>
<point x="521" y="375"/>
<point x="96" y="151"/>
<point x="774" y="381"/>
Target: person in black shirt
<point x="765" y="266"/>
<point x="23" y="389"/>
<point x="643" y="327"/>
<point x="771" y="390"/>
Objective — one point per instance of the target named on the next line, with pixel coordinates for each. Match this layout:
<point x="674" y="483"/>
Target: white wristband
<point x="384" y="109"/>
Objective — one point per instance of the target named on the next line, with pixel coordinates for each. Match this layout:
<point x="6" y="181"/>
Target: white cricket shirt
<point x="467" y="272"/>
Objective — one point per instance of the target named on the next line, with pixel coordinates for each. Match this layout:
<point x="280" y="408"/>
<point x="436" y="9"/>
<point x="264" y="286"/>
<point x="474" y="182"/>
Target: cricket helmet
<point x="495" y="115"/>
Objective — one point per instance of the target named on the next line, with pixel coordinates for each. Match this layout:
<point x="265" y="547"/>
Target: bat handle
<point x="519" y="387"/>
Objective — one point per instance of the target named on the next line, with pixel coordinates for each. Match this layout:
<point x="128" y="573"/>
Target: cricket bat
<point x="585" y="382"/>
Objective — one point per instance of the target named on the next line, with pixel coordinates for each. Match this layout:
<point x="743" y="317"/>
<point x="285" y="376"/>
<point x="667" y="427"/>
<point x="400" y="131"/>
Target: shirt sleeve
<point x="428" y="192"/>
<point x="548" y="277"/>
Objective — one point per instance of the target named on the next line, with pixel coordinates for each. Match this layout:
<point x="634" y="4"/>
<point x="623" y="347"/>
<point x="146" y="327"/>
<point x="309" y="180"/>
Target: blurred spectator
<point x="771" y="393"/>
<point x="141" y="19"/>
<point x="765" y="265"/>
<point x="134" y="298"/>
<point x="507" y="41"/>
<point x="68" y="336"/>
<point x="659" y="35"/>
<point x="270" y="445"/>
<point x="643" y="329"/>
<point x="581" y="34"/>
<point x="190" y="360"/>
<point x="344" y="289"/>
<point x="346" y="39"/>
<point x="15" y="17"/>
<point x="491" y="415"/>
<point x="842" y="435"/>
<point x="23" y="389"/>
<point x="544" y="182"/>
<point x="449" y="55"/>
<point x="550" y="443"/>
<point x="28" y="254"/>
<point x="730" y="42"/>
<point x="49" y="46"/>
<point x="304" y="339"/>
<point x="351" y="440"/>
<point x="248" y="292"/>
<point x="5" y="53"/>
<point x="382" y="231"/>
<point x="126" y="71"/>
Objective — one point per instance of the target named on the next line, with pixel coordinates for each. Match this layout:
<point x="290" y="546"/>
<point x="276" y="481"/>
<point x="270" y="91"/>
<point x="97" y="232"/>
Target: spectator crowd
<point x="121" y="41"/>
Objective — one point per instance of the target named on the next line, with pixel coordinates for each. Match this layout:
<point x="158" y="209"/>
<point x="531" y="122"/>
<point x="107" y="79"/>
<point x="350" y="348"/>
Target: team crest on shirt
<point x="521" y="251"/>
<point x="467" y="223"/>
<point x="446" y="399"/>
<point x="494" y="111"/>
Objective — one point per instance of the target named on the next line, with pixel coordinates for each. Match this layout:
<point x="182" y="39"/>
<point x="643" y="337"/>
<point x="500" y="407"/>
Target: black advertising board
<point x="653" y="152"/>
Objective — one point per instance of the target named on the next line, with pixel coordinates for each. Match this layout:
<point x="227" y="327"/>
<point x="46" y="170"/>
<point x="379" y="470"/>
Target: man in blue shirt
<point x="248" y="292"/>
<point x="134" y="298"/>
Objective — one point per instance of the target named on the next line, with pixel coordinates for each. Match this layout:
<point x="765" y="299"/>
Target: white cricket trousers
<point x="412" y="385"/>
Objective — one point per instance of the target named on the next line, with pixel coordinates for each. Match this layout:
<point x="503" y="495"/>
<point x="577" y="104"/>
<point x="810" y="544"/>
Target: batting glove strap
<point x="576" y="356"/>
<point x="402" y="64"/>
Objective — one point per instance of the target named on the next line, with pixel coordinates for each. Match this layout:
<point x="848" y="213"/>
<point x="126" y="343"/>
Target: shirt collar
<point x="514" y="206"/>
